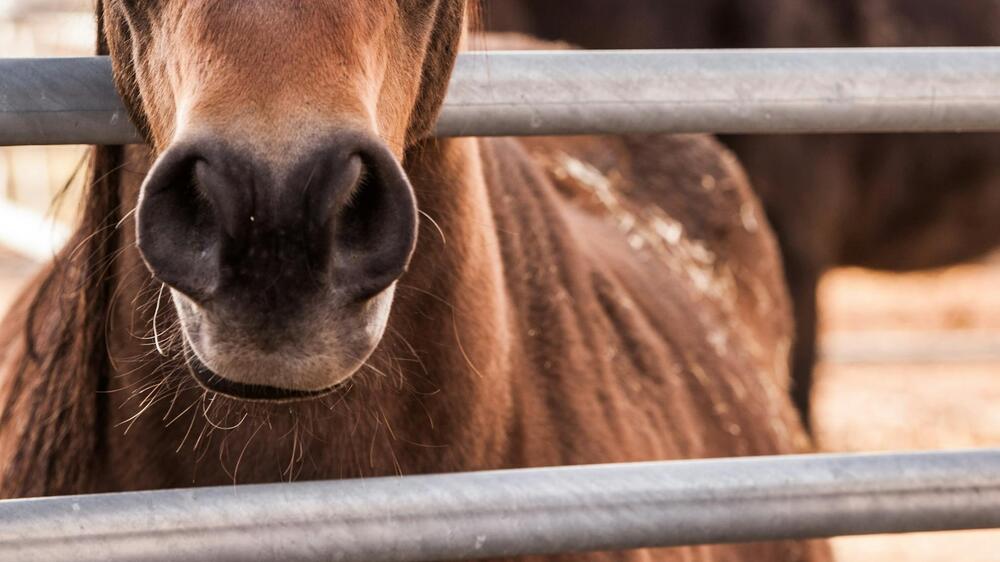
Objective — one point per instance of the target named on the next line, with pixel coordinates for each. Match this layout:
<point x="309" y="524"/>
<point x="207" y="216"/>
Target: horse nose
<point x="220" y="226"/>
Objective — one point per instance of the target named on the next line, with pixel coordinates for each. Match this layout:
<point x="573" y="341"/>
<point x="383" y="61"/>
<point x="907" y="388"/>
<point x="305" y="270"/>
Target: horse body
<point x="568" y="301"/>
<point x="551" y="338"/>
<point x="892" y="202"/>
<point x="560" y="319"/>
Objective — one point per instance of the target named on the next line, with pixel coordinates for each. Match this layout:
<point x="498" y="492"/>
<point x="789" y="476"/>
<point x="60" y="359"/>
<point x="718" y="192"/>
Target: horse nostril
<point x="219" y="227"/>
<point x="374" y="231"/>
<point x="178" y="228"/>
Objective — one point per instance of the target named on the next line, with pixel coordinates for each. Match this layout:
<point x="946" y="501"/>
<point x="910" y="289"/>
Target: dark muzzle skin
<point x="249" y="392"/>
<point x="262" y="257"/>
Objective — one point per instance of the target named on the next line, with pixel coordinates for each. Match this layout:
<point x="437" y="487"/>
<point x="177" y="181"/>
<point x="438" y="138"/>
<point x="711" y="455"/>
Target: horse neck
<point x="451" y="307"/>
<point x="434" y="396"/>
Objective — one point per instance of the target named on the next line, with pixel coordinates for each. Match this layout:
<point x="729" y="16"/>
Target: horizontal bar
<point x="725" y="91"/>
<point x="19" y="9"/>
<point x="61" y="101"/>
<point x="510" y="513"/>
<point x="36" y="236"/>
<point x="911" y="348"/>
<point x="67" y="101"/>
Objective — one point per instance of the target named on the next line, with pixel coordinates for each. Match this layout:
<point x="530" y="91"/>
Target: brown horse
<point x="894" y="202"/>
<point x="248" y="299"/>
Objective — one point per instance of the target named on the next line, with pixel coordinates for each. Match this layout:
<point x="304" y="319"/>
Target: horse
<point x="886" y="202"/>
<point x="293" y="280"/>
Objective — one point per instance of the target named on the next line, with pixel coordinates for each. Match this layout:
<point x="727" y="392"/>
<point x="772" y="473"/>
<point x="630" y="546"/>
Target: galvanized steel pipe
<point x="725" y="91"/>
<point x="62" y="101"/>
<point x="508" y="513"/>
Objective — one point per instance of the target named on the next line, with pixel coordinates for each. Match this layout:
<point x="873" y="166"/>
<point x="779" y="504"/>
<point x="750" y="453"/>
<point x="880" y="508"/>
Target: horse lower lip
<point x="251" y="392"/>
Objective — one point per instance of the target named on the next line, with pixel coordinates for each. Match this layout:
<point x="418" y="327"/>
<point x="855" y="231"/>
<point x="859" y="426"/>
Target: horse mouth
<point x="213" y="382"/>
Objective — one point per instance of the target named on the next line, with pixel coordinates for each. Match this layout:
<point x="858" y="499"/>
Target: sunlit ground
<point x="912" y="361"/>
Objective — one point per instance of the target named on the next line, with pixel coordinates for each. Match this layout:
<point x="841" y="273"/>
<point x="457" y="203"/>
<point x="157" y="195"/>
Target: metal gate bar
<point x="507" y="513"/>
<point x="72" y="101"/>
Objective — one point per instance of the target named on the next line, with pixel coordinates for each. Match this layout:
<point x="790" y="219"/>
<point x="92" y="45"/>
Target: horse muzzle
<point x="282" y="274"/>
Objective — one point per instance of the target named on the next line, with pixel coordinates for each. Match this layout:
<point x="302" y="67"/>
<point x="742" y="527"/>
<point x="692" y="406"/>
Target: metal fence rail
<point x="67" y="101"/>
<point x="491" y="514"/>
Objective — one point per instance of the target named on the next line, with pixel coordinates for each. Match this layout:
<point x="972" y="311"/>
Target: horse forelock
<point x="64" y="331"/>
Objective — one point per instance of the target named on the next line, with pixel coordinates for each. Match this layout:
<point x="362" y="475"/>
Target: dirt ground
<point x="911" y="362"/>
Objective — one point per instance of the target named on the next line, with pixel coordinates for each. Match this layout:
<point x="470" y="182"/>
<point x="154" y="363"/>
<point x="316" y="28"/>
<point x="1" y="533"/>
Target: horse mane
<point x="61" y="366"/>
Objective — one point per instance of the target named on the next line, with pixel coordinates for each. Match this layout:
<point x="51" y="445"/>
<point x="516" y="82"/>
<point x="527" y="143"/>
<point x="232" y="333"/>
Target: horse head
<point x="278" y="213"/>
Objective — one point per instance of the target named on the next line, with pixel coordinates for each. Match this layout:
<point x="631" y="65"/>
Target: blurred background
<point x="908" y="361"/>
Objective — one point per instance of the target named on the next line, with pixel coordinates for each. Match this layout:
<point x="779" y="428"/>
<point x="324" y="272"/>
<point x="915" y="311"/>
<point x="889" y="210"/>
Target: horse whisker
<point x="156" y="336"/>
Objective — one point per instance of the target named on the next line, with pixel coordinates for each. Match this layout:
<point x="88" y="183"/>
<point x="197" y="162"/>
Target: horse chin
<point x="290" y="356"/>
<point x="218" y="384"/>
<point x="249" y="365"/>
